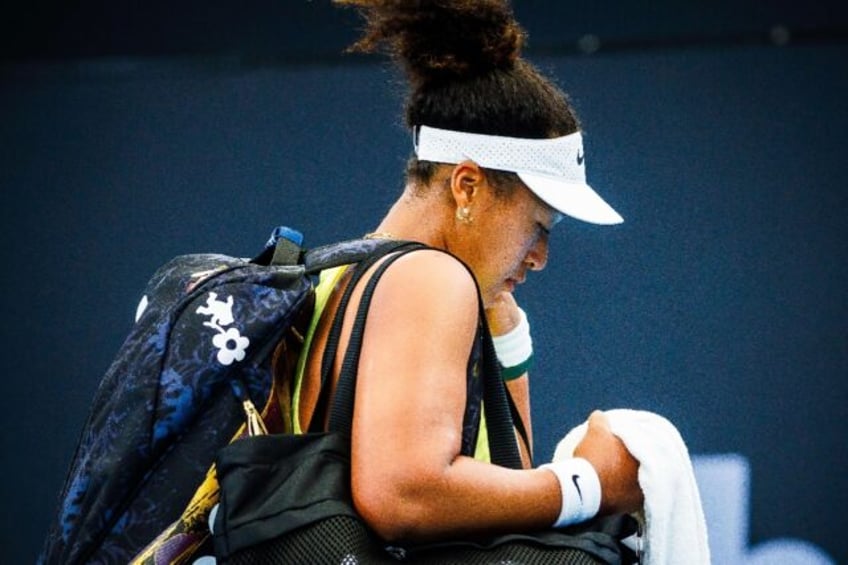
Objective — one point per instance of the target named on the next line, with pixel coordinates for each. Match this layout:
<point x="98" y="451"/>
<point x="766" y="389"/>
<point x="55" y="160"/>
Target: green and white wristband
<point x="515" y="349"/>
<point x="580" y="488"/>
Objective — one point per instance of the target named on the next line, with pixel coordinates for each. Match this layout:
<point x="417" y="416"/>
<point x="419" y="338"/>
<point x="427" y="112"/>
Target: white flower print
<point x="229" y="341"/>
<point x="231" y="346"/>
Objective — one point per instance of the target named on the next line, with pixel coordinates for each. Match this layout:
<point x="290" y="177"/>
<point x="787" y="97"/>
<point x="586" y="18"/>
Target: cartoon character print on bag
<point x="177" y="401"/>
<point x="230" y="343"/>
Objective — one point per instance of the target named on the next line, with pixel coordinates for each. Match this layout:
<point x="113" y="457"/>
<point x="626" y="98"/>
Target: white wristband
<point x="580" y="487"/>
<point x="515" y="347"/>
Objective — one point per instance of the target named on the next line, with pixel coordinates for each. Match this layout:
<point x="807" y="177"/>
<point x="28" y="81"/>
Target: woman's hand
<point x="617" y="469"/>
<point x="503" y="314"/>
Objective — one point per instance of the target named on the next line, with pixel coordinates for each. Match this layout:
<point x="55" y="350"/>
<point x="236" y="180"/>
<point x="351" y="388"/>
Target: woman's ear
<point x="466" y="182"/>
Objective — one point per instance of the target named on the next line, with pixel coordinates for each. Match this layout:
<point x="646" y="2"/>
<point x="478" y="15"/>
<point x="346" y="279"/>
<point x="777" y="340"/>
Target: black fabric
<point x="287" y="481"/>
<point x="345" y="540"/>
<point x="337" y="540"/>
<point x="501" y="429"/>
<point x="545" y="547"/>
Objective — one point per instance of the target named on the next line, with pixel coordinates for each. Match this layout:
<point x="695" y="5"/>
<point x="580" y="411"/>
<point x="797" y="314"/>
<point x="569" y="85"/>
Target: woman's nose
<point x="537" y="257"/>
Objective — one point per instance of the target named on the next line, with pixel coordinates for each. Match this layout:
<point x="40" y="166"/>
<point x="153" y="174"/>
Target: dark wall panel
<point x="720" y="302"/>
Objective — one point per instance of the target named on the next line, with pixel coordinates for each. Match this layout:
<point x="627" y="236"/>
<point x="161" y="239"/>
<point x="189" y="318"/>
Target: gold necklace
<point x="379" y="235"/>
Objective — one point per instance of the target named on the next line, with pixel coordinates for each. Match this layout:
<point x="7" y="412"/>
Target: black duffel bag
<point x="285" y="498"/>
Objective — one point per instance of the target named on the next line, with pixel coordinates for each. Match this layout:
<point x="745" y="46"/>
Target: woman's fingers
<point x="617" y="469"/>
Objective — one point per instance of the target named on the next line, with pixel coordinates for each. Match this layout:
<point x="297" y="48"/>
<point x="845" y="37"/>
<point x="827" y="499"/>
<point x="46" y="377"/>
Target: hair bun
<point x="441" y="39"/>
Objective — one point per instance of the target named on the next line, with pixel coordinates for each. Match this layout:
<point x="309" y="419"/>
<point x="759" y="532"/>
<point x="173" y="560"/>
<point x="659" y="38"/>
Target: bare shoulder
<point x="428" y="290"/>
<point x="430" y="275"/>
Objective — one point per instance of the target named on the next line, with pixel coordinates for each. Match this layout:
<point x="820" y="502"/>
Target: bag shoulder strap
<point x="502" y="418"/>
<point x="499" y="406"/>
<point x="329" y="356"/>
<point x="341" y="414"/>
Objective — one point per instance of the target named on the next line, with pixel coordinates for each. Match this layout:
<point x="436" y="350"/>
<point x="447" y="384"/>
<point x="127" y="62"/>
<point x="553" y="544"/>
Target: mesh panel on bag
<point x="512" y="554"/>
<point x="342" y="540"/>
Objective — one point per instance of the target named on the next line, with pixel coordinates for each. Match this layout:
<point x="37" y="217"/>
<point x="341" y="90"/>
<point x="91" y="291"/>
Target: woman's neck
<point x="415" y="218"/>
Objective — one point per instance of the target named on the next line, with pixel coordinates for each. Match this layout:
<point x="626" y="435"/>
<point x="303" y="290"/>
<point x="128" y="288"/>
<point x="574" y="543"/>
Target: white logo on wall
<point x="229" y="341"/>
<point x="724" y="482"/>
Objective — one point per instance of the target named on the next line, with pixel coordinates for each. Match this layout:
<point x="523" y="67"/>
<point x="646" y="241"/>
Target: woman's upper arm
<point x="411" y="389"/>
<point x="408" y="478"/>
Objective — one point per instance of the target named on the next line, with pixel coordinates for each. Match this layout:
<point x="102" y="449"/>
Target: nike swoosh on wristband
<point x="579" y="157"/>
<point x="574" y="480"/>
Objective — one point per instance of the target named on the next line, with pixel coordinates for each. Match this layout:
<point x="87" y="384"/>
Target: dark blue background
<point x="719" y="303"/>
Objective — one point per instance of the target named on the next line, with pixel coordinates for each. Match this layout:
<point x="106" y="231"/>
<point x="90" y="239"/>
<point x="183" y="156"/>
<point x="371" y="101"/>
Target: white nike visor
<point x="554" y="169"/>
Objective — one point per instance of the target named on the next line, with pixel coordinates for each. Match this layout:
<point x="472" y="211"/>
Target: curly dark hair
<point x="463" y="62"/>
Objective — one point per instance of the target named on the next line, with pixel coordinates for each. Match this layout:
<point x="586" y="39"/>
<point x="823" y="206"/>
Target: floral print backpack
<point x="211" y="331"/>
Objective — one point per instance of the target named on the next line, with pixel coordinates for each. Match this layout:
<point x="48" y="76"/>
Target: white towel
<point x="673" y="520"/>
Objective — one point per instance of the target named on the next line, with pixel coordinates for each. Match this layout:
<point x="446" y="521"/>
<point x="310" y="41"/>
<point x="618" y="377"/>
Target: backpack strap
<point x="341" y="414"/>
<point x="333" y="338"/>
<point x="285" y="248"/>
<point x="349" y="252"/>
